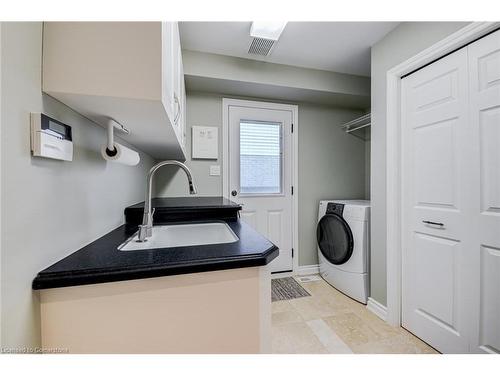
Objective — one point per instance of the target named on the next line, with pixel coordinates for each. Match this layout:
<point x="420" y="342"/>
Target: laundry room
<point x="325" y="147"/>
<point x="249" y="187"/>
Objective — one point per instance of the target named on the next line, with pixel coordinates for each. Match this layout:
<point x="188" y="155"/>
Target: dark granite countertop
<point x="101" y="261"/>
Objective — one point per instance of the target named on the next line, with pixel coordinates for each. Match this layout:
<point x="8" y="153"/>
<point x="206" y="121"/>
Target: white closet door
<point x="484" y="81"/>
<point x="437" y="241"/>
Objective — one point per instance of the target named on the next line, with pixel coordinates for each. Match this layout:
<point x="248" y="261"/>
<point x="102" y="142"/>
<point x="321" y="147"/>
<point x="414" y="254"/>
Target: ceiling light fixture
<point x="267" y="29"/>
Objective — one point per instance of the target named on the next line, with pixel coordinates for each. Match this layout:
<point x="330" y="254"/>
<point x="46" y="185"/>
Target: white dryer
<point x="343" y="235"/>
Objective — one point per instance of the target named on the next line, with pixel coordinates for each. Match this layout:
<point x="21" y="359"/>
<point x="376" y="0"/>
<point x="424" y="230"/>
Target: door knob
<point x="234" y="193"/>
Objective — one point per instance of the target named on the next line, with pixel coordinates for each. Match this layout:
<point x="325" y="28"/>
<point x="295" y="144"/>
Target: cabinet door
<point x="182" y="115"/>
<point x="184" y="112"/>
<point x="178" y="79"/>
<point x="168" y="65"/>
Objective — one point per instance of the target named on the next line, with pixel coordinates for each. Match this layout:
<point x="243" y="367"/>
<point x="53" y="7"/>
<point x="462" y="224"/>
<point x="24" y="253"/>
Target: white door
<point x="484" y="83"/>
<point x="451" y="200"/>
<point x="260" y="172"/>
<point x="437" y="236"/>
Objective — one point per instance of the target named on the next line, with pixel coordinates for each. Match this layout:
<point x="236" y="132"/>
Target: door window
<point x="261" y="169"/>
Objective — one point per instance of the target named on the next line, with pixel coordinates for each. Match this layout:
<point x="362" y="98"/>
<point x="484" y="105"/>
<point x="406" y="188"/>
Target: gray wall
<point x="49" y="208"/>
<point x="405" y="41"/>
<point x="331" y="166"/>
<point x="331" y="162"/>
<point x="234" y="76"/>
<point x="202" y="110"/>
<point x="231" y="68"/>
<point x="368" y="144"/>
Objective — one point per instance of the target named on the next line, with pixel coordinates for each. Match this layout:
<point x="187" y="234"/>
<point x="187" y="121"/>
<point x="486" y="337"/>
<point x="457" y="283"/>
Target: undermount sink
<point x="177" y="235"/>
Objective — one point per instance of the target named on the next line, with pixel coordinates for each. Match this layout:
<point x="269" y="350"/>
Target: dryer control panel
<point x="335" y="208"/>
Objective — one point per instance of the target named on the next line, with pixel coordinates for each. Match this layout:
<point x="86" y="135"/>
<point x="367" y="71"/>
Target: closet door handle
<point x="433" y="223"/>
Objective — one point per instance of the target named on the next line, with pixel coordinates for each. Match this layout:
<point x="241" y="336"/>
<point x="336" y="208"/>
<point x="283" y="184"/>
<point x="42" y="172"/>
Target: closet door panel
<point x="451" y="175"/>
<point x="488" y="337"/>
<point x="484" y="97"/>
<point x="436" y="210"/>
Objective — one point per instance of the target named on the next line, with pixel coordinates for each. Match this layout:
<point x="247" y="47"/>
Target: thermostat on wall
<point x="50" y="138"/>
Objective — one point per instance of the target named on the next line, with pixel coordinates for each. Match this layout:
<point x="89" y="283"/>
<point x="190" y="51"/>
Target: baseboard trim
<point x="311" y="269"/>
<point x="377" y="308"/>
<point x="280" y="275"/>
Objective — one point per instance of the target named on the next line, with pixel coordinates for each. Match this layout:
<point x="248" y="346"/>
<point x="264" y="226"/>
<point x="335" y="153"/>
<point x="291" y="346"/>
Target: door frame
<point x="394" y="244"/>
<point x="228" y="102"/>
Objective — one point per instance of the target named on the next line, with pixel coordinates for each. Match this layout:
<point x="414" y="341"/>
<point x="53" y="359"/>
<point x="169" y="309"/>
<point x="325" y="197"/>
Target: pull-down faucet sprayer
<point x="146" y="228"/>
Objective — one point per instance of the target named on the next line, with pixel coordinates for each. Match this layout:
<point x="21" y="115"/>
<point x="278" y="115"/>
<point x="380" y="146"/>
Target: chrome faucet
<point x="146" y="228"/>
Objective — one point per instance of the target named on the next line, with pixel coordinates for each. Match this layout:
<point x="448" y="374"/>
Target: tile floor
<point x="330" y="322"/>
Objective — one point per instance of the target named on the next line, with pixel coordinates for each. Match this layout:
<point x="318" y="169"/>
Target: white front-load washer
<point x="343" y="236"/>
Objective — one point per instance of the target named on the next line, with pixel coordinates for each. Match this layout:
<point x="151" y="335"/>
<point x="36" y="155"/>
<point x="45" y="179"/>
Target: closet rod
<point x="362" y="119"/>
<point x="358" y="127"/>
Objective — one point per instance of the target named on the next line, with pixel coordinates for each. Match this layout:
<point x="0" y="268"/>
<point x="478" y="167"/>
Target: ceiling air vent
<point x="261" y="46"/>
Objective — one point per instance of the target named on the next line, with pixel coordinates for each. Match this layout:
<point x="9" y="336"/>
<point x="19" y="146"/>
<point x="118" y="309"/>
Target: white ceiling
<point x="342" y="47"/>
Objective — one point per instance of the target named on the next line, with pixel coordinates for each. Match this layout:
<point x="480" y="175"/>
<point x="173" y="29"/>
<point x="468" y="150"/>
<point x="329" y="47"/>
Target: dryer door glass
<point x="334" y="239"/>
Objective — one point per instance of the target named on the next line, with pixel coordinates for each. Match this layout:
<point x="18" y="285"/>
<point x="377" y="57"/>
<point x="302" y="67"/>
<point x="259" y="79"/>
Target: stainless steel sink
<point x="177" y="235"/>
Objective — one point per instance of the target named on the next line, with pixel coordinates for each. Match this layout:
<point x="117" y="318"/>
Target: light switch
<point x="215" y="170"/>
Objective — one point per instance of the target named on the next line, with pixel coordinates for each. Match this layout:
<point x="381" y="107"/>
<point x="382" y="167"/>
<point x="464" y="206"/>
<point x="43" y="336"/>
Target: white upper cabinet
<point x="129" y="71"/>
<point x="179" y="88"/>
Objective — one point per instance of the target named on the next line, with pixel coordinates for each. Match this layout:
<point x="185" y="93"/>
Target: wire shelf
<point x="354" y="127"/>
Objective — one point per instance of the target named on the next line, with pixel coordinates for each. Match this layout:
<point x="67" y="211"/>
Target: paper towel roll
<point x="123" y="155"/>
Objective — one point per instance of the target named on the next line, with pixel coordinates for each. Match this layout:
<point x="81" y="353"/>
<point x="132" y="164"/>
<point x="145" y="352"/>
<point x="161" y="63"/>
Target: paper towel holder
<point x="112" y="124"/>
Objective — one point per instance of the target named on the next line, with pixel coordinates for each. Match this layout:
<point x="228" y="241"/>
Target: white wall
<point x="403" y="42"/>
<point x="49" y="208"/>
<point x="331" y="162"/>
